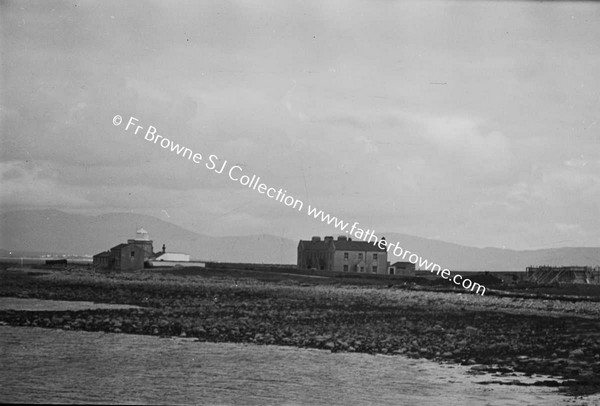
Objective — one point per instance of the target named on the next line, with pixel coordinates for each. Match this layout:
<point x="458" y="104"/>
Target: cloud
<point x="460" y="144"/>
<point x="27" y="185"/>
<point x="338" y="105"/>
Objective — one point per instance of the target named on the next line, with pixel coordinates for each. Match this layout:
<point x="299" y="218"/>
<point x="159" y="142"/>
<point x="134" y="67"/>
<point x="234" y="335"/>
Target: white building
<point x="173" y="256"/>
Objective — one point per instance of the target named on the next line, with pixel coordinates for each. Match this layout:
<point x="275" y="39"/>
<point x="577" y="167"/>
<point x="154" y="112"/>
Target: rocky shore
<point x="499" y="335"/>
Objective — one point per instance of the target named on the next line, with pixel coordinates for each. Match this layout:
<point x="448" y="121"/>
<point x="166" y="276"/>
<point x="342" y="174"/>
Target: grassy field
<point x="531" y="335"/>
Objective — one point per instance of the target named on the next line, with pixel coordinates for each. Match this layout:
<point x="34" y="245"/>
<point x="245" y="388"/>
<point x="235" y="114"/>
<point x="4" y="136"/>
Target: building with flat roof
<point x="135" y="254"/>
<point x="172" y="256"/>
<point x="122" y="257"/>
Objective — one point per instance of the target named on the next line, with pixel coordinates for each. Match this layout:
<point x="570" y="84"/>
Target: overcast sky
<point x="472" y="122"/>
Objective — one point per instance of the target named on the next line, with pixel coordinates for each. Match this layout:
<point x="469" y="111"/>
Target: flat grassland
<point x="495" y="334"/>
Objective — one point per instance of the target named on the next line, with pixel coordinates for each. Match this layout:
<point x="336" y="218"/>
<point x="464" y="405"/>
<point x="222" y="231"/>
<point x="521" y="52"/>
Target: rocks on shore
<point x="351" y="321"/>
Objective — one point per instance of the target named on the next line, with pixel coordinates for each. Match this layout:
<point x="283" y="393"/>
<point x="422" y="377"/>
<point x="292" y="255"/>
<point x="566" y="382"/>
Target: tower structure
<point x="142" y="240"/>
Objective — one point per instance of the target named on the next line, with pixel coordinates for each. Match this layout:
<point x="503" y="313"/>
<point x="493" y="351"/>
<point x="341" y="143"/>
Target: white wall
<point x="173" y="256"/>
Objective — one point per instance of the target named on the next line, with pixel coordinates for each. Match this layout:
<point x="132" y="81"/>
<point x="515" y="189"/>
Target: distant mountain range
<point x="58" y="232"/>
<point x="460" y="257"/>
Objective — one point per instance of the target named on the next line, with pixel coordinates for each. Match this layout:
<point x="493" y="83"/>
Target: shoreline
<point x="490" y="334"/>
<point x="122" y="368"/>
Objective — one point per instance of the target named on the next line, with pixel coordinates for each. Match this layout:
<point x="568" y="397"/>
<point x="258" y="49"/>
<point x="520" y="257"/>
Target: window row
<point x="360" y="255"/>
<point x="362" y="268"/>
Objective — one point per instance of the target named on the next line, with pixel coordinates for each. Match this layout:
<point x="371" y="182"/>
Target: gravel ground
<point x="494" y="334"/>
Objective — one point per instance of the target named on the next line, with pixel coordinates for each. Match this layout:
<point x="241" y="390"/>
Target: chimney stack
<point x="164" y="248"/>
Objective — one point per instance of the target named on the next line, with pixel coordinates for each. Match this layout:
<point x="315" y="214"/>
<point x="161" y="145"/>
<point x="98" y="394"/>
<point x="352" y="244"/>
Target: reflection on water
<point x="44" y="365"/>
<point x="22" y="304"/>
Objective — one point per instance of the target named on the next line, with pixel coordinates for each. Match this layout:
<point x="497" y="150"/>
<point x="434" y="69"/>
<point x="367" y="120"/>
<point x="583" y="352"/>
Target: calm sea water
<point x="56" y="366"/>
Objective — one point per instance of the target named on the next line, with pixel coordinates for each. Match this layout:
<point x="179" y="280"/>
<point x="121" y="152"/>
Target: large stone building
<point x="128" y="256"/>
<point x="342" y="255"/>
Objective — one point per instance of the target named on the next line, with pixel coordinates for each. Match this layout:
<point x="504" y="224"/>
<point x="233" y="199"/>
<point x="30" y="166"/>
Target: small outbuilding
<point x="402" y="268"/>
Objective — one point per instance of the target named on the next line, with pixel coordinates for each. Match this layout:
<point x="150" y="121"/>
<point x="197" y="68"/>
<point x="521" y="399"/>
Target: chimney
<point x="316" y="238"/>
<point x="164" y="248"/>
<point x="342" y="238"/>
<point x="328" y="238"/>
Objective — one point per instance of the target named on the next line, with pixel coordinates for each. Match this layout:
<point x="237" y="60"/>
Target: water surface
<point x="46" y="365"/>
<point x="26" y="304"/>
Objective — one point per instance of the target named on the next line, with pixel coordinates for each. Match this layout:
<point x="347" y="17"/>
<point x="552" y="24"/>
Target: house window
<point x="374" y="269"/>
<point x="360" y="255"/>
<point x="345" y="255"/>
<point x="362" y="268"/>
<point x="345" y="268"/>
<point x="132" y="254"/>
<point x="375" y="257"/>
<point x="391" y="271"/>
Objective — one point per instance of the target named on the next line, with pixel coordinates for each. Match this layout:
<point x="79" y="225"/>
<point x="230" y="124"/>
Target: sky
<point x="468" y="122"/>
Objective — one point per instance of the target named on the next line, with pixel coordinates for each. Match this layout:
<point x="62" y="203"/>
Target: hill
<point x="56" y="231"/>
<point x="460" y="257"/>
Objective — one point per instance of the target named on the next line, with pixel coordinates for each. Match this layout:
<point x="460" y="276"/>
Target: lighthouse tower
<point x="142" y="240"/>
